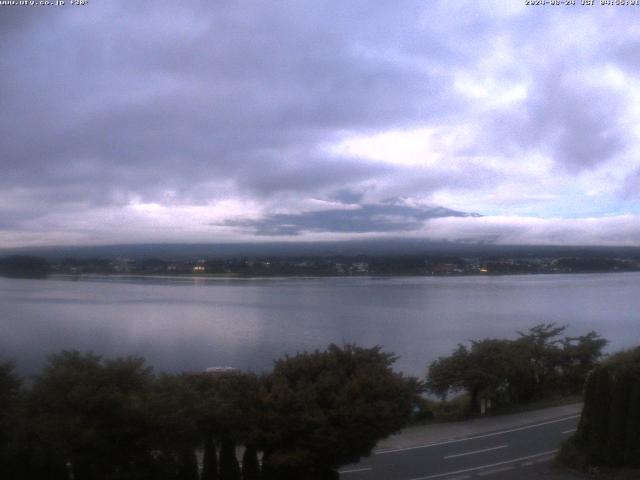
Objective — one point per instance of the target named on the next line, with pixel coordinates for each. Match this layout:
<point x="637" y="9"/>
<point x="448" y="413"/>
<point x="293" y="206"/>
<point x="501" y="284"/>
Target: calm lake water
<point x="192" y="323"/>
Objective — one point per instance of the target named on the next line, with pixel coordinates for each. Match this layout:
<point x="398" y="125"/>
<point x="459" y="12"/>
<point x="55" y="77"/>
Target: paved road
<point x="522" y="452"/>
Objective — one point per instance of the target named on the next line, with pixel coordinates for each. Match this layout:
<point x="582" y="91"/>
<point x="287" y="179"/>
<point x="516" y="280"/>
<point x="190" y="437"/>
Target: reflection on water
<point x="186" y="323"/>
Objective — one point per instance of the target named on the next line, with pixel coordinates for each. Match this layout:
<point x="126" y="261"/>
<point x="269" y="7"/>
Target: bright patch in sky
<point x="416" y="147"/>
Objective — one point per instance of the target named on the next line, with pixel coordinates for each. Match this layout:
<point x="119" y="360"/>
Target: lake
<point x="181" y="323"/>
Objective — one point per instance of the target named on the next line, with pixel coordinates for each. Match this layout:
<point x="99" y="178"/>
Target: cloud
<point x="365" y="218"/>
<point x="574" y="117"/>
<point x="621" y="230"/>
<point x="171" y="97"/>
<point x="499" y="109"/>
<point x="199" y="225"/>
<point x="631" y="186"/>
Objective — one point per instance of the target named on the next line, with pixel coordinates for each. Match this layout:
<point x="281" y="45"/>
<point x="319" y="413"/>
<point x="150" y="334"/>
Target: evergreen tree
<point x="594" y="422"/>
<point x="632" y="441"/>
<point x="609" y="429"/>
<point x="621" y="386"/>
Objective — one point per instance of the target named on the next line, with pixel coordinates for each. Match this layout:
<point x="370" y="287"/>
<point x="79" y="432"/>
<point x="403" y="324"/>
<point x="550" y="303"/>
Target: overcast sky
<point x="216" y="121"/>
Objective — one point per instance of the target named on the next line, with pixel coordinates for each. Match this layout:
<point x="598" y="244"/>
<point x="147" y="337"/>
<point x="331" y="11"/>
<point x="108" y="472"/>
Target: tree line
<point x="540" y="363"/>
<point x="89" y="418"/>
<point x="24" y="266"/>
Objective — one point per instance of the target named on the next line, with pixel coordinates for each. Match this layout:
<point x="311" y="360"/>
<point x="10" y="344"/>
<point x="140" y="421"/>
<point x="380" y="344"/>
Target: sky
<point x="229" y="121"/>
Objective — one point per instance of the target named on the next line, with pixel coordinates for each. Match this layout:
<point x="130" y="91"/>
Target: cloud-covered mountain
<point x="365" y="218"/>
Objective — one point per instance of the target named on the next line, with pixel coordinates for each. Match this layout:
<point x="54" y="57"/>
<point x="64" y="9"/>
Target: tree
<point x="541" y="346"/>
<point x="209" y="459"/>
<point x="594" y="421"/>
<point x="493" y="369"/>
<point x="497" y="371"/>
<point x="447" y="374"/>
<point x="91" y="414"/>
<point x="579" y="356"/>
<point x="173" y="429"/>
<point x="619" y="410"/>
<point x="229" y="466"/>
<point x="10" y="385"/>
<point x="632" y="442"/>
<point x="328" y="408"/>
<point x="187" y="464"/>
<point x="24" y="266"/>
<point x="227" y="413"/>
<point x="250" y="465"/>
<point x="610" y="421"/>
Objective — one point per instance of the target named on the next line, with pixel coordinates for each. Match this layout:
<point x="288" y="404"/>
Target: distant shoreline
<point x="336" y="266"/>
<point x="206" y="276"/>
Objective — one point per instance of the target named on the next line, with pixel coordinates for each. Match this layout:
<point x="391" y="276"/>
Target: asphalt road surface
<point x="521" y="452"/>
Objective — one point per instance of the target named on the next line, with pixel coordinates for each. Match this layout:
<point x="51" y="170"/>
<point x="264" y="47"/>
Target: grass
<point x="551" y="401"/>
<point x="458" y="408"/>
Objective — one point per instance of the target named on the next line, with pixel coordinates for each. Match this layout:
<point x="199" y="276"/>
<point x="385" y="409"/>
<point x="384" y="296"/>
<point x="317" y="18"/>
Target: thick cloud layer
<point x="365" y="218"/>
<point x="213" y="121"/>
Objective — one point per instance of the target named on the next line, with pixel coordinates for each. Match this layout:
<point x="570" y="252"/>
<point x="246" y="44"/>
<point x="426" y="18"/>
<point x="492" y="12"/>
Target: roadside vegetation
<point x="541" y="366"/>
<point x="89" y="418"/>
<point x="607" y="442"/>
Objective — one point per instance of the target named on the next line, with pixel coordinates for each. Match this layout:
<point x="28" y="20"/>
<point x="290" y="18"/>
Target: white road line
<point x="569" y="431"/>
<point x="494" y="471"/>
<point x="482" y="467"/>
<point x="355" y="470"/>
<point x="544" y="459"/>
<point x="466" y="439"/>
<point x="476" y="451"/>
